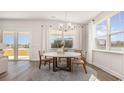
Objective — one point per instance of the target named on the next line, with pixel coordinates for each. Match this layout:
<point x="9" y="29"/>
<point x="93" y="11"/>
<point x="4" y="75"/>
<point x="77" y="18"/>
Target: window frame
<point x="49" y="44"/>
<point x="109" y="34"/>
<point x="101" y="35"/>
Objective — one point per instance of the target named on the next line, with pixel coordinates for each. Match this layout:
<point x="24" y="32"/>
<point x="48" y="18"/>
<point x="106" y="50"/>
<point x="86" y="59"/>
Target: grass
<point x="20" y="52"/>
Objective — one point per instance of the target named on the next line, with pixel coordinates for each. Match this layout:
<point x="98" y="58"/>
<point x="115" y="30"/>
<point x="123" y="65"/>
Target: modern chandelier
<point x="66" y="26"/>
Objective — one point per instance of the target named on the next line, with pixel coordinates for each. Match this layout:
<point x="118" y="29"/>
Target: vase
<point x="60" y="50"/>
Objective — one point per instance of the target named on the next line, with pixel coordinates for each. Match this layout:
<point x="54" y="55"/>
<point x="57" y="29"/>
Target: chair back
<point x="78" y="51"/>
<point x="83" y="54"/>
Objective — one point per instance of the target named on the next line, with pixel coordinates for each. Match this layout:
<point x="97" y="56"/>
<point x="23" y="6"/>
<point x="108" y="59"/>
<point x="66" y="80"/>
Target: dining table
<point x="67" y="55"/>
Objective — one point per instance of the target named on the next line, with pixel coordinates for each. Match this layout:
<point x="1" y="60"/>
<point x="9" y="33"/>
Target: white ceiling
<point x="72" y="16"/>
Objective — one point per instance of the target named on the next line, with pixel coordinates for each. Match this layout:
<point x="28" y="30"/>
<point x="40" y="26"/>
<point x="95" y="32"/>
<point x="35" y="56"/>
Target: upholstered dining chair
<point x="81" y="60"/>
<point x="44" y="60"/>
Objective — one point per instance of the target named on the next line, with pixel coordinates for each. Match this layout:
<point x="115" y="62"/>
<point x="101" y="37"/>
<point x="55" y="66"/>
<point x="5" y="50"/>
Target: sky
<point x="8" y="39"/>
<point x="117" y="24"/>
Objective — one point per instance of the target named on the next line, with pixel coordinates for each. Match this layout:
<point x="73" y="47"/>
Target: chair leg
<point x="40" y="65"/>
<point x="45" y="63"/>
<point x="84" y="66"/>
<point x="71" y="66"/>
<point x="59" y="59"/>
<point x="49" y="65"/>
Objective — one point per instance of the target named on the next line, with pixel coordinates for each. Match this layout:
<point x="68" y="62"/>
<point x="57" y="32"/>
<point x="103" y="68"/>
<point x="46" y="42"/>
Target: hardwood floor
<point x="29" y="71"/>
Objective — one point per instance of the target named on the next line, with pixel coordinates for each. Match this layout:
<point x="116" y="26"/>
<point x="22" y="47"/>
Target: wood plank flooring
<point x="28" y="71"/>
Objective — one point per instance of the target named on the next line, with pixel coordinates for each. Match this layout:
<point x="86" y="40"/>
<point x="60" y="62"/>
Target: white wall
<point x="38" y="34"/>
<point x="111" y="62"/>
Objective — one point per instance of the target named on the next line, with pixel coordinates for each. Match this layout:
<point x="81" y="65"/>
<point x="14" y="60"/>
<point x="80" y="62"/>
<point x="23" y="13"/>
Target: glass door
<point x="16" y="45"/>
<point x="8" y="40"/>
<point x="23" y="45"/>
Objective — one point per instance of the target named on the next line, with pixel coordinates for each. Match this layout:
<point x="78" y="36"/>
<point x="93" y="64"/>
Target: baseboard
<point x="110" y="71"/>
<point x="33" y="60"/>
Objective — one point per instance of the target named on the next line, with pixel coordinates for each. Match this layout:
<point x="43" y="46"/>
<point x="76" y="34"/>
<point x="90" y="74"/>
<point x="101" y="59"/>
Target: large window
<point x="110" y="33"/>
<point x="101" y="28"/>
<point x="117" y="42"/>
<point x="56" y="37"/>
<point x="117" y="22"/>
<point x="69" y="38"/>
<point x="117" y="32"/>
<point x="101" y="42"/>
<point x="101" y="35"/>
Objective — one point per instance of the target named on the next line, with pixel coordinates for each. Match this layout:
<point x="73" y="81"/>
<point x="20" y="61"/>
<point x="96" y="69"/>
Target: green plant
<point x="60" y="44"/>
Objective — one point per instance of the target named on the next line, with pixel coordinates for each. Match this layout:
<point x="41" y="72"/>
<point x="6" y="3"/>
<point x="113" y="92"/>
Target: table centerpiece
<point x="60" y="47"/>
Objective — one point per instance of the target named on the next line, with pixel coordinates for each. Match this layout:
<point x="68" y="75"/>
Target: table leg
<point x="54" y="63"/>
<point x="69" y="63"/>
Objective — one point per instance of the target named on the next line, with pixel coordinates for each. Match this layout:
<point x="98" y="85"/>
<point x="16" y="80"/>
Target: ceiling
<point x="71" y="16"/>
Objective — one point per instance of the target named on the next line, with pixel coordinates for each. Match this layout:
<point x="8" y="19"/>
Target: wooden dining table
<point x="67" y="55"/>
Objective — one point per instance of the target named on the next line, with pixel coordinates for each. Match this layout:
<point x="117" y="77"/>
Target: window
<point x="69" y="38"/>
<point x="117" y="42"/>
<point x="111" y="38"/>
<point x="101" y="28"/>
<point x="101" y="43"/>
<point x="117" y="32"/>
<point x="117" y="22"/>
<point x="56" y="37"/>
<point x="101" y="35"/>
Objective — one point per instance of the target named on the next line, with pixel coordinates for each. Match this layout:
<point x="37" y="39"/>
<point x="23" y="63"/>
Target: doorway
<point x="17" y="45"/>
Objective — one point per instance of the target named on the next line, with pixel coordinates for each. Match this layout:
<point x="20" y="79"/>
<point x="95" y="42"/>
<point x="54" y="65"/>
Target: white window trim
<point x="101" y="35"/>
<point x="107" y="51"/>
<point x="108" y="35"/>
<point x="74" y="41"/>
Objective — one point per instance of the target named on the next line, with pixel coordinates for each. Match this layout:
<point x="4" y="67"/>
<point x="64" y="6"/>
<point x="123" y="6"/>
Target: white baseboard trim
<point x="110" y="71"/>
<point x="34" y="60"/>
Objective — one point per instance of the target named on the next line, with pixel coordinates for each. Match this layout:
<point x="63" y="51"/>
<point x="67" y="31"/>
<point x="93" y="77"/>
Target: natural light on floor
<point x="93" y="78"/>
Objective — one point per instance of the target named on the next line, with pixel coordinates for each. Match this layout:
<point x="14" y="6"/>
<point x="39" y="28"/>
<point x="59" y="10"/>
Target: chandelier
<point x="66" y="26"/>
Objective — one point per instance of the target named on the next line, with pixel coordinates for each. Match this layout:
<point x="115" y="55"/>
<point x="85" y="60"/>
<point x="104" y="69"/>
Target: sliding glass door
<point x="23" y="45"/>
<point x="16" y="45"/>
<point x="8" y="40"/>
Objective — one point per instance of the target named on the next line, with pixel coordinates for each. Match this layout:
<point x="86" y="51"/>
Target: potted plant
<point x="60" y="47"/>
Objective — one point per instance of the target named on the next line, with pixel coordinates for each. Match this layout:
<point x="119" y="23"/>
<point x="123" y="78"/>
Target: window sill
<point x="106" y="51"/>
<point x="54" y="49"/>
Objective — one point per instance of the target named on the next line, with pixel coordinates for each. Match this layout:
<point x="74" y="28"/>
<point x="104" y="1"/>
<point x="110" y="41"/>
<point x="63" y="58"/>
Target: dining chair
<point x="44" y="60"/>
<point x="81" y="60"/>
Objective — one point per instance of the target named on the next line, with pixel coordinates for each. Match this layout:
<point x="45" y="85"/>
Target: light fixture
<point x="66" y="26"/>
